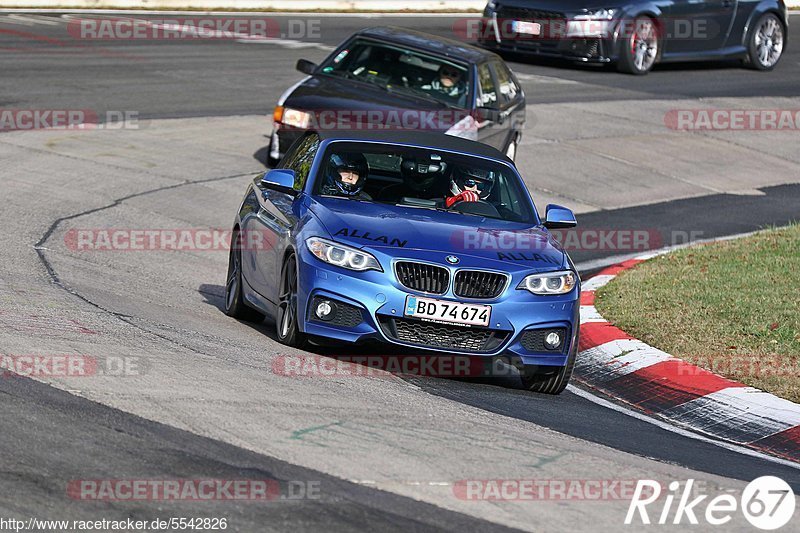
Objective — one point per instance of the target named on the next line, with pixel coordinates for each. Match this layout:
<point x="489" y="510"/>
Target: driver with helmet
<point x="469" y="185"/>
<point x="345" y="175"/>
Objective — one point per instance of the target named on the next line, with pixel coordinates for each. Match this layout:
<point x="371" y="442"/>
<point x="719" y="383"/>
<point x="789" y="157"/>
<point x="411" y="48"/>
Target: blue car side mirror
<point x="558" y="217"/>
<point x="281" y="180"/>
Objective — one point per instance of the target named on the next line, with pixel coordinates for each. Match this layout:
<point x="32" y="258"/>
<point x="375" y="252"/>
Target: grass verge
<point x="732" y="307"/>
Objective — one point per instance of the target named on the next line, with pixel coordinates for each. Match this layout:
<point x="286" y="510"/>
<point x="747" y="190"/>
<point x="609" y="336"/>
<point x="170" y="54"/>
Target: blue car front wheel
<point x="286" y="321"/>
<point x="537" y="379"/>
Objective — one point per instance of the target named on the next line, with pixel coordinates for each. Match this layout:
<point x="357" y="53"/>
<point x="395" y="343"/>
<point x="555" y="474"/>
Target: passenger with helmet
<point x="469" y="185"/>
<point x="345" y="175"/>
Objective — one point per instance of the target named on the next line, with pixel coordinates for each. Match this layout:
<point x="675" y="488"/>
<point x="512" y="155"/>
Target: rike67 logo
<point x="767" y="503"/>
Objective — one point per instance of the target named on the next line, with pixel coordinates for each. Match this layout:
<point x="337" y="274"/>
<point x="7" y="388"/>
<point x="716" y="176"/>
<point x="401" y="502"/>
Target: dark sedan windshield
<point x="423" y="178"/>
<point x="402" y="70"/>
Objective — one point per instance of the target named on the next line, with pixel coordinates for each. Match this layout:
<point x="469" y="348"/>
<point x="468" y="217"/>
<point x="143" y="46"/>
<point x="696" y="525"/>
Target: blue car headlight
<point x="341" y="255"/>
<point x="546" y="283"/>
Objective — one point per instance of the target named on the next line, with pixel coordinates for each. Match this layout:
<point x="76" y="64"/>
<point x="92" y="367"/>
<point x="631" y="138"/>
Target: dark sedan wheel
<point x="766" y="42"/>
<point x="639" y="50"/>
<point x="234" y="303"/>
<point x="535" y="380"/>
<point x="286" y="322"/>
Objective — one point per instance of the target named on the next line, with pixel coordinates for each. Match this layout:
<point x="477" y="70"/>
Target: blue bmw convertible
<point x="415" y="239"/>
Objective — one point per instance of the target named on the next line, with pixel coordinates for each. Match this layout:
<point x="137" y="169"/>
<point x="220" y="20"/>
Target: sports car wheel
<point x="639" y="50"/>
<point x="551" y="382"/>
<point x="286" y="321"/>
<point x="766" y="42"/>
<point x="234" y="303"/>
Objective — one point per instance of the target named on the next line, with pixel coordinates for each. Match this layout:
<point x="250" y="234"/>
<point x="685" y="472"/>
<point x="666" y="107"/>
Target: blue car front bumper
<point x="517" y="316"/>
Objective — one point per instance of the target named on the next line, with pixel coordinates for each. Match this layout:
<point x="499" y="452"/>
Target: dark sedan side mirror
<point x="558" y="217"/>
<point x="305" y="66"/>
<point x="280" y="180"/>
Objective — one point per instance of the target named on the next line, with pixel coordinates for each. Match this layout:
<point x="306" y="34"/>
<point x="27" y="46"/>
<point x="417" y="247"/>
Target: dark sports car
<point x="403" y="79"/>
<point x="639" y="34"/>
<point x="417" y="240"/>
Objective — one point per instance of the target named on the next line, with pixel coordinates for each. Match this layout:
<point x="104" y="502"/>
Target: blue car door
<point x="271" y="227"/>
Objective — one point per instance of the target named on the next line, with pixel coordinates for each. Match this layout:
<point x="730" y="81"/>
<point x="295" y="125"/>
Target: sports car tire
<point x="766" y="42"/>
<point x="286" y="321"/>
<point x="639" y="50"/>
<point x="234" y="303"/>
<point x="549" y="383"/>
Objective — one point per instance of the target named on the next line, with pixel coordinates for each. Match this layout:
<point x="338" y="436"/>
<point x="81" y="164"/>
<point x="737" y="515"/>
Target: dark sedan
<point x="639" y="34"/>
<point x="401" y="79"/>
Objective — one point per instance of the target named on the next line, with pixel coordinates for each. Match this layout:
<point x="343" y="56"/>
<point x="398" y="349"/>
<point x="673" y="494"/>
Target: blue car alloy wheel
<point x="422" y="242"/>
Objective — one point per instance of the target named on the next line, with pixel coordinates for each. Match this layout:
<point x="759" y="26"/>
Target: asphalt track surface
<point x="177" y="79"/>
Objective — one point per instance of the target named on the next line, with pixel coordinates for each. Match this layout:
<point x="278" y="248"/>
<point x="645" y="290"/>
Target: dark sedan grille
<point x="524" y="13"/>
<point x="554" y="25"/>
<point x="479" y="284"/>
<point x="423" y="277"/>
<point x="431" y="335"/>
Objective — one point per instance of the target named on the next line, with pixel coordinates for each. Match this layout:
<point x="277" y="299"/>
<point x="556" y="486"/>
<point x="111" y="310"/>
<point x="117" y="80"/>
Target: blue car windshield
<point x="405" y="71"/>
<point x="423" y="178"/>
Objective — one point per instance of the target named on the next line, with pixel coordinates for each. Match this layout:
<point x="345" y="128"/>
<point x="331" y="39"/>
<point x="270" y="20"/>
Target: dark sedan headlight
<point x="596" y="14"/>
<point x="342" y="256"/>
<point x="546" y="283"/>
<point x="291" y="117"/>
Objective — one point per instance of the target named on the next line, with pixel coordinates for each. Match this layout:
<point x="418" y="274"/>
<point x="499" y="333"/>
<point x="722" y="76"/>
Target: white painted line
<point x="35" y="19"/>
<point x="596" y="282"/>
<point x="544" y="79"/>
<point x="285" y="43"/>
<point x="680" y="431"/>
<point x="342" y="14"/>
<point x="9" y="20"/>
<point x="747" y="409"/>
<point x="619" y="358"/>
<point x="589" y="314"/>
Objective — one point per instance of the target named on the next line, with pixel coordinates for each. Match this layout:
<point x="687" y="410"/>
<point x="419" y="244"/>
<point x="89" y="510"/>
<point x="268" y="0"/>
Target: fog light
<point x="324" y="310"/>
<point x="552" y="340"/>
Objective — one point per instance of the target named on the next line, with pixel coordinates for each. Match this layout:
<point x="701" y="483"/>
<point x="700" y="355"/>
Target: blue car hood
<point x="396" y="229"/>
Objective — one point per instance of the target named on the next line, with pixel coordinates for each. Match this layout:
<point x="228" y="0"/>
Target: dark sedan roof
<point x="425" y="41"/>
<point x="418" y="138"/>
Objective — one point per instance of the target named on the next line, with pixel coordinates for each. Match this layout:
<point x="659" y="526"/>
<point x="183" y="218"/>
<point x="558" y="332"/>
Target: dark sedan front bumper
<point x="281" y="139"/>
<point x="583" y="41"/>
